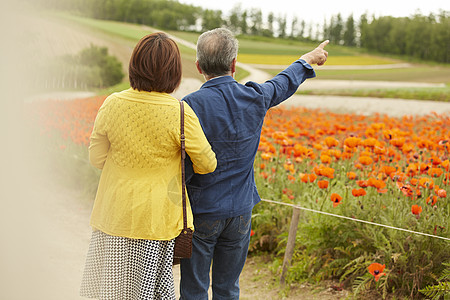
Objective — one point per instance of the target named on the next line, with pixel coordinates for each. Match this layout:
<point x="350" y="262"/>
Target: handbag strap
<point x="183" y="157"/>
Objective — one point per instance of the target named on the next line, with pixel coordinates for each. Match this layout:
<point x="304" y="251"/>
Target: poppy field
<point x="391" y="171"/>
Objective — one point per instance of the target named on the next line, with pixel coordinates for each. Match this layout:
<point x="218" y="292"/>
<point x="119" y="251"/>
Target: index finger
<point x="323" y="44"/>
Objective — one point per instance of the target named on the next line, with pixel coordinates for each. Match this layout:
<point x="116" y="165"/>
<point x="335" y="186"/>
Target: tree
<point x="243" y="23"/>
<point x="211" y="19"/>
<point x="294" y="27"/>
<point x="301" y="32"/>
<point x="349" y="32"/>
<point x="336" y="27"/>
<point x="282" y="22"/>
<point x="234" y="19"/>
<point x="270" y="20"/>
<point x="256" y="18"/>
<point x="363" y="28"/>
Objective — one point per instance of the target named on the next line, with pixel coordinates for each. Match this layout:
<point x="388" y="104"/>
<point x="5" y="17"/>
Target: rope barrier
<point x="354" y="219"/>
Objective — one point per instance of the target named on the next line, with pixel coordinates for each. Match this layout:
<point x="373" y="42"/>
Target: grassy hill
<point x="64" y="33"/>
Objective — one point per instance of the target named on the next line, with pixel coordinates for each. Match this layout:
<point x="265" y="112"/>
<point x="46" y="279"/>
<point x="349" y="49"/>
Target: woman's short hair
<point x="216" y="50"/>
<point x="155" y="64"/>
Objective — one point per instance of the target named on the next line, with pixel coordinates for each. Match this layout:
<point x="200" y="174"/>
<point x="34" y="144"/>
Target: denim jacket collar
<point x="218" y="80"/>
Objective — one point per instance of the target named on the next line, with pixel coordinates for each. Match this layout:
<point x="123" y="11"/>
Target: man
<point x="232" y="116"/>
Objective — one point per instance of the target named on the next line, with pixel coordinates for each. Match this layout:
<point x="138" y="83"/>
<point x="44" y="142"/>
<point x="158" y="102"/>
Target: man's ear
<point x="198" y="67"/>
<point x="233" y="66"/>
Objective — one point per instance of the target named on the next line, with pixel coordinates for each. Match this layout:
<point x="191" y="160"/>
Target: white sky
<point x="316" y="11"/>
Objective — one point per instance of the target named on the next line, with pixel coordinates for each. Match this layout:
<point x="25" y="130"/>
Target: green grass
<point x="417" y="73"/>
<point x="431" y="94"/>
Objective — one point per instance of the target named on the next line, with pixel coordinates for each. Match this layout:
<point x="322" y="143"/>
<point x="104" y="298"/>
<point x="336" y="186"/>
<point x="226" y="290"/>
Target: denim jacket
<point x="232" y="115"/>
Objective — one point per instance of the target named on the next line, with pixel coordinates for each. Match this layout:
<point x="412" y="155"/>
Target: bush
<point x="91" y="68"/>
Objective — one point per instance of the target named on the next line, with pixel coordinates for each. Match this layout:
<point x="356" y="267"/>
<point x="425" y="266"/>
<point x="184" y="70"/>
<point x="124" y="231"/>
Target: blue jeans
<point x="223" y="242"/>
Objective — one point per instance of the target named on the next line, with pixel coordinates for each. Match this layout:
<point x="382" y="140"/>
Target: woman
<point x="137" y="212"/>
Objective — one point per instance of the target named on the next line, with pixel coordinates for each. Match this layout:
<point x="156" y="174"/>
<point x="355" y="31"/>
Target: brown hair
<point x="155" y="64"/>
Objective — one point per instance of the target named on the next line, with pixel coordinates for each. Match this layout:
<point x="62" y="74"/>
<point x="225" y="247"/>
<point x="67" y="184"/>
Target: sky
<point x="317" y="11"/>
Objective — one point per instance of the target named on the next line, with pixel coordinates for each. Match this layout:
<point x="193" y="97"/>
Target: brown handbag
<point x="183" y="242"/>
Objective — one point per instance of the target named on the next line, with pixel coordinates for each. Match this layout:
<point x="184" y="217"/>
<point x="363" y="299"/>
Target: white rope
<point x="354" y="219"/>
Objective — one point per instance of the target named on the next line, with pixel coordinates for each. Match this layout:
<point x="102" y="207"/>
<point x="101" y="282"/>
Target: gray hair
<point x="216" y="50"/>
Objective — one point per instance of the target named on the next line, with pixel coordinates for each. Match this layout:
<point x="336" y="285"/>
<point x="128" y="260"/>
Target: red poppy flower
<point x="336" y="198"/>
<point x="376" y="270"/>
<point x="252" y="233"/>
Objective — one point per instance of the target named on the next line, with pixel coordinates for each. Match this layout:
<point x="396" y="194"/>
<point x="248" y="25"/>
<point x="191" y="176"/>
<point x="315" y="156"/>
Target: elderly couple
<point x="136" y="143"/>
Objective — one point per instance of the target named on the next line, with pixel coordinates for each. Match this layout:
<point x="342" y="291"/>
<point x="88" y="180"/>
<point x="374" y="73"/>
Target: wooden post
<point x="290" y="244"/>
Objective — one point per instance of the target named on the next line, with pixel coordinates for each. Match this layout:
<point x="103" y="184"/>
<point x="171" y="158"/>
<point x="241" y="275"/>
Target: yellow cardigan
<point x="136" y="143"/>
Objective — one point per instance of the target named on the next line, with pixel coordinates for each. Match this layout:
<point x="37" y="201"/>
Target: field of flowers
<point x="392" y="171"/>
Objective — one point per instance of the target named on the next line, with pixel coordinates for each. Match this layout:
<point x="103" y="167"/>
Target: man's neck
<point x="212" y="77"/>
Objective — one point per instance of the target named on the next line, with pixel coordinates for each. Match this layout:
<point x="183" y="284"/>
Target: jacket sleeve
<point x="197" y="146"/>
<point x="99" y="143"/>
<point x="284" y="84"/>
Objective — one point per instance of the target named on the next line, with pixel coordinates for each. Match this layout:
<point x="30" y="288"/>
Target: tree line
<point x="417" y="36"/>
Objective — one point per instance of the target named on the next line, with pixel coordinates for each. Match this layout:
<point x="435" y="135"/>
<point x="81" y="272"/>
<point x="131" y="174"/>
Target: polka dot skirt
<point x="128" y="269"/>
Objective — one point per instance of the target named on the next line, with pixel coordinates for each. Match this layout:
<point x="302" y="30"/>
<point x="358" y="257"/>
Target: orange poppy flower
<point x="379" y="150"/>
<point x="324" y="171"/>
<point x="365" y="160"/>
<point x="351" y="175"/>
<point x="331" y="142"/>
<point x="446" y="164"/>
<point x="442" y="193"/>
<point x="405" y="189"/>
<point x="433" y="199"/>
<point x="376" y="270"/>
<point x="323" y="184"/>
<point x="291" y="178"/>
<point x="352" y="142"/>
<point x="435" y="160"/>
<point x="435" y="172"/>
<point x="266" y="155"/>
<point x="325" y="159"/>
<point x="308" y="177"/>
<point x="336" y="199"/>
<point x="398" y="142"/>
<point x="370" y="142"/>
<point x="358" y="192"/>
<point x="289" y="167"/>
<point x="388" y="170"/>
<point x="426" y="182"/>
<point x="376" y="183"/>
<point x="416" y="209"/>
<point x="414" y="181"/>
<point x="362" y="183"/>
